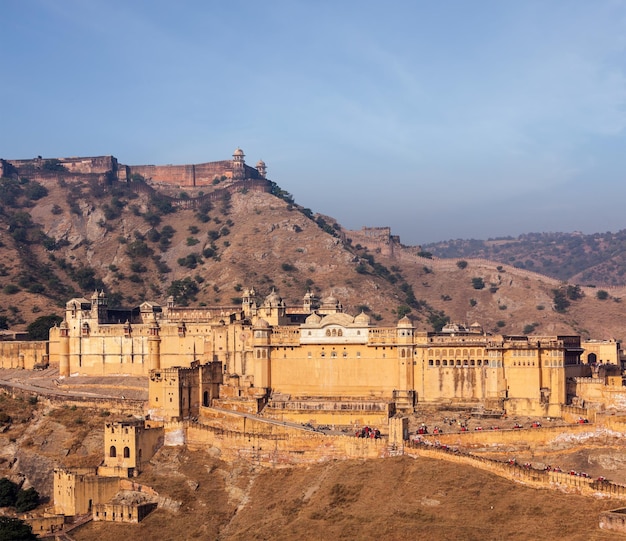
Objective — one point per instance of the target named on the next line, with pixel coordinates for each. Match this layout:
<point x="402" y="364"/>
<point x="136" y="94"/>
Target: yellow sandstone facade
<point x="312" y="357"/>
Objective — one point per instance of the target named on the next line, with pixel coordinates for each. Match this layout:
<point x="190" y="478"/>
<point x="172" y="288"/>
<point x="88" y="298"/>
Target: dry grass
<point x="390" y="499"/>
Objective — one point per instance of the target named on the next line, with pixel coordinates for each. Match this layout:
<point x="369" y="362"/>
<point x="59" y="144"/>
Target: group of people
<point x="367" y="432"/>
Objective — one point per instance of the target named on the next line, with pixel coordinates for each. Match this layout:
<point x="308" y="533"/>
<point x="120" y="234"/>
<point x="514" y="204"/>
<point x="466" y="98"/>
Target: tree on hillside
<point x="40" y="328"/>
<point x="14" y="529"/>
<point x="560" y="300"/>
<point x="26" y="500"/>
<point x="8" y="492"/>
<point x="574" y="293"/>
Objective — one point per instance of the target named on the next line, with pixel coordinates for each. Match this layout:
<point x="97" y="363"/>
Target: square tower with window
<point x="128" y="445"/>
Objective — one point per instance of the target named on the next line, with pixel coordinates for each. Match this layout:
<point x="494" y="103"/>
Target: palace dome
<point x="272" y="299"/>
<point x="261" y="324"/>
<point x="313" y="318"/>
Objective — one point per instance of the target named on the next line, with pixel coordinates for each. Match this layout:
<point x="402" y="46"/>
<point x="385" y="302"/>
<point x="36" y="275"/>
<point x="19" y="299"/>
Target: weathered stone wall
<point x="595" y="392"/>
<point x="25" y="355"/>
<point x="45" y="524"/>
<point x="535" y="436"/>
<point x="275" y="445"/>
<point x="118" y="512"/>
<point x="528" y="476"/>
<point x="97" y="165"/>
<point x="337" y="412"/>
<point x="614" y="520"/>
<point x="76" y="491"/>
<point x="375" y="239"/>
<point x="181" y="175"/>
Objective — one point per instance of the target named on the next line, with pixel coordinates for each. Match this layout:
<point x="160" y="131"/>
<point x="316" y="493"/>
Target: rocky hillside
<point x="574" y="257"/>
<point x="61" y="239"/>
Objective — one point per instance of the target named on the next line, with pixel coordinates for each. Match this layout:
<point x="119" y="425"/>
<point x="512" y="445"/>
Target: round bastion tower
<point x="64" y="349"/>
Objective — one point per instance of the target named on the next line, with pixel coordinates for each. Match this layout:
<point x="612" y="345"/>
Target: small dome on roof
<point x="405" y="322"/>
<point x="313" y="318"/>
<point x="362" y="319"/>
<point x="261" y="324"/>
<point x="238" y="152"/>
<point x="260" y="163"/>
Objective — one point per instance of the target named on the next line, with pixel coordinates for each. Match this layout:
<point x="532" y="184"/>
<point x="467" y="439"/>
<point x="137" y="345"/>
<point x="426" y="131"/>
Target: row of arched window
<point x="334" y="332"/>
<point x="458" y="362"/>
<point x="454" y="352"/>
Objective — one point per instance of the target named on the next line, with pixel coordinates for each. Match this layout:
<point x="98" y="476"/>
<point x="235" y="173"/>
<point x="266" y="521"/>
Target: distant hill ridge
<point x="596" y="259"/>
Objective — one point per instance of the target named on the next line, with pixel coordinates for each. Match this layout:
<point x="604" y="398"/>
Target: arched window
<point x="126" y="452"/>
<point x="403" y="353"/>
<point x="205" y="399"/>
<point x="112" y="451"/>
<point x="327" y="332"/>
<point x="339" y="332"/>
<point x="437" y="362"/>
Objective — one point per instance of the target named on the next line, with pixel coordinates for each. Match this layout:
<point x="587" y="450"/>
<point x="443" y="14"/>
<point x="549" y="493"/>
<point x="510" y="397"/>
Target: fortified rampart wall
<point x="534" y="436"/>
<point x="68" y="399"/>
<point x="275" y="445"/>
<point x="595" y="391"/>
<point x="97" y="165"/>
<point x="529" y="476"/>
<point x="202" y="174"/>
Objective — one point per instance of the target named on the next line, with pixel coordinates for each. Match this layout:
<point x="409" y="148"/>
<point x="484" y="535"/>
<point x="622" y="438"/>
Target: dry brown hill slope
<point x="392" y="499"/>
<point x="69" y="239"/>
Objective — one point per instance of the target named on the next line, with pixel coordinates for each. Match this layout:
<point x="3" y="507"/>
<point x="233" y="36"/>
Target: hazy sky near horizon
<point x="449" y="119"/>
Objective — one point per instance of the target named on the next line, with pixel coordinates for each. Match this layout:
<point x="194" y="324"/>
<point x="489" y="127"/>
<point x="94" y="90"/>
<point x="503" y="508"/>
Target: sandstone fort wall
<point x="529" y="476"/>
<point x="27" y="355"/>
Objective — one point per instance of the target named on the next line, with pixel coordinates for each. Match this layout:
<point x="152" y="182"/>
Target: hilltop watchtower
<point x="239" y="169"/>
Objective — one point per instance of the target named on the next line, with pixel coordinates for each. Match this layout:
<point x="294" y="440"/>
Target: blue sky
<point x="449" y="119"/>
